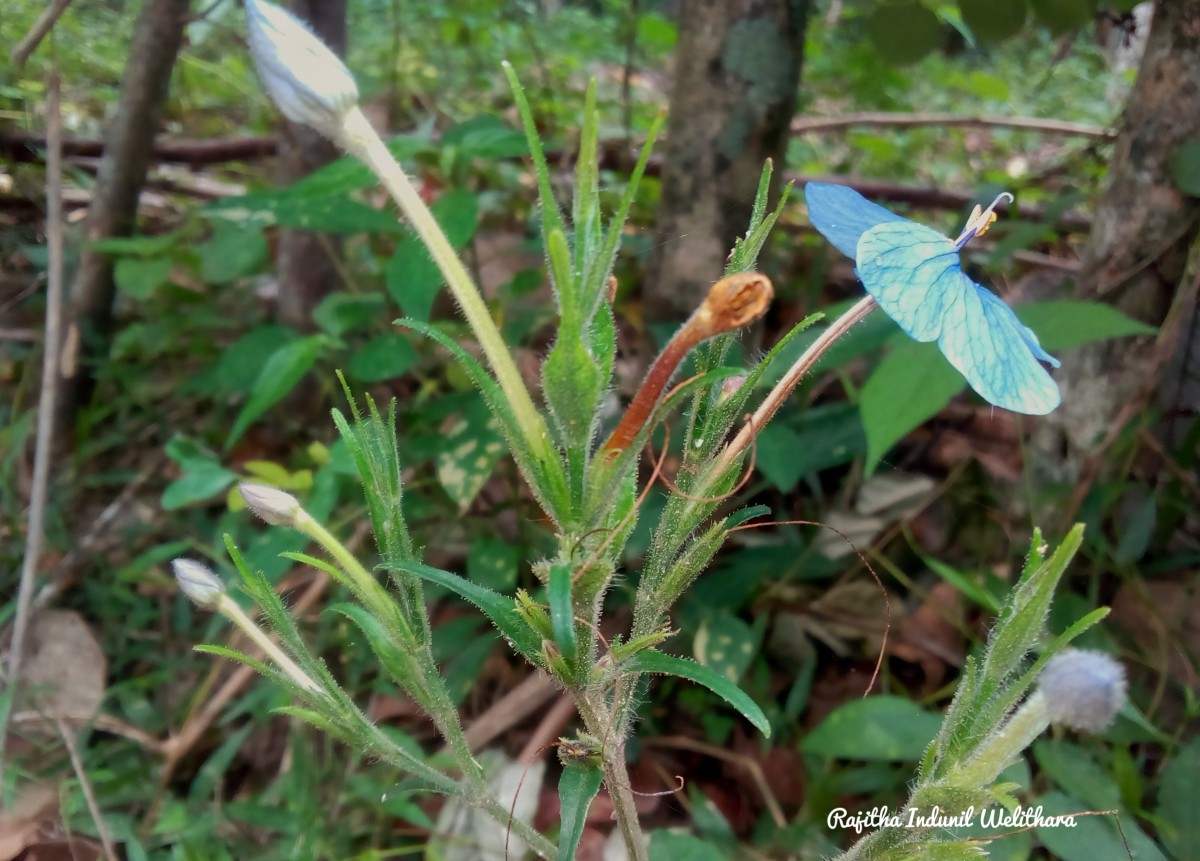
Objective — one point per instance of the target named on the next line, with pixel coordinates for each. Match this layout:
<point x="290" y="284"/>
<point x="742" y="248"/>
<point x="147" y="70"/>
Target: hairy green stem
<point x="359" y="138"/>
<point x="612" y="752"/>
<point x="432" y="691"/>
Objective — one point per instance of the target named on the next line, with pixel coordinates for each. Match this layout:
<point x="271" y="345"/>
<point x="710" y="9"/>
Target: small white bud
<point x="202" y="586"/>
<point x="303" y="77"/>
<point x="277" y="507"/>
<point x="1082" y="689"/>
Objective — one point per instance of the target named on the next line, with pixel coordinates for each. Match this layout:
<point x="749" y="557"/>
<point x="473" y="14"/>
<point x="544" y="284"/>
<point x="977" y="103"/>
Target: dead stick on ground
<point x="512" y="708"/>
<point x="548" y="728"/>
<point x="38" y="32"/>
<point x="110" y="851"/>
<point x="46" y="401"/>
<point x="804" y="125"/>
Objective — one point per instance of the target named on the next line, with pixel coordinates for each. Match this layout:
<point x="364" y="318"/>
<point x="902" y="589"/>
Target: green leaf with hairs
<point x="651" y="661"/>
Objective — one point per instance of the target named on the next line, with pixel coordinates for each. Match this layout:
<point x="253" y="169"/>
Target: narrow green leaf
<point x="496" y="607"/>
<point x="552" y="219"/>
<point x="548" y="481"/>
<point x="1023" y="616"/>
<point x="391" y="654"/>
<point x="279" y="376"/>
<point x="562" y="614"/>
<point x="576" y="788"/>
<point x="651" y="661"/>
<point x="263" y="669"/>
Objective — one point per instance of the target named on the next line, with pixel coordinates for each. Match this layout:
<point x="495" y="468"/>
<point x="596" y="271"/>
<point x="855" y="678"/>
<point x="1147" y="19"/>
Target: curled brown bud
<point x="733" y="302"/>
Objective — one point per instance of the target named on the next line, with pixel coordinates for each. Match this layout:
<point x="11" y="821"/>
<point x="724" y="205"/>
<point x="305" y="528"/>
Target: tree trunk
<point x="127" y="149"/>
<point x="1136" y="258"/>
<point x="308" y="269"/>
<point x="737" y="66"/>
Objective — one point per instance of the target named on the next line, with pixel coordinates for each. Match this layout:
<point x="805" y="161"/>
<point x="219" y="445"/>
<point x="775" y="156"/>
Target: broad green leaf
<point x="339" y="313"/>
<point x="775" y="449"/>
<point x="1185" y="167"/>
<point x="1075" y="771"/>
<point x="496" y="607"/>
<point x="562" y="614"/>
<point x="651" y="661"/>
<point x="236" y="249"/>
<point x="493" y="563"/>
<point x="385" y="357"/>
<point x="201" y="480"/>
<point x="726" y="644"/>
<point x="576" y="788"/>
<point x="1091" y="837"/>
<point x="908" y="387"/>
<point x="1062" y="16"/>
<point x="903" y="32"/>
<point x="1064" y="324"/>
<point x="338" y="215"/>
<point x="1177" y="802"/>
<point x="889" y="728"/>
<point x="463" y="671"/>
<point x="656" y="32"/>
<point x="413" y="279"/>
<point x="1137" y="530"/>
<point x="485" y="136"/>
<point x="991" y="21"/>
<point x="279" y="376"/>
<point x="681" y="846"/>
<point x="138" y="278"/>
<point x="470" y="450"/>
<point x="242" y="362"/>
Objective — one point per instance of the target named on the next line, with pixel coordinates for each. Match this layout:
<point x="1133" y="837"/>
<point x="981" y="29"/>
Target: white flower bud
<point x="304" y="78"/>
<point x="202" y="586"/>
<point x="277" y="507"/>
<point x="1082" y="689"/>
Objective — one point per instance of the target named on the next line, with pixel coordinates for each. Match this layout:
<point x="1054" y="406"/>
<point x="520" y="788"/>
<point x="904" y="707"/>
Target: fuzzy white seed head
<point x="277" y="507"/>
<point x="202" y="586"/>
<point x="303" y="77"/>
<point x="1082" y="689"/>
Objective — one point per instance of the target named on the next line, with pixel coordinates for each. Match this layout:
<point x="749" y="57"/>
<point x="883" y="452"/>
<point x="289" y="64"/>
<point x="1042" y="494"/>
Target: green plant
<point x="589" y="493"/>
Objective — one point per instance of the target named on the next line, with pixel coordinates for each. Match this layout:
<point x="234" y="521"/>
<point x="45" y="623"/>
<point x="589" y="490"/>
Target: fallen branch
<point x="807" y="125"/>
<point x="29" y="148"/>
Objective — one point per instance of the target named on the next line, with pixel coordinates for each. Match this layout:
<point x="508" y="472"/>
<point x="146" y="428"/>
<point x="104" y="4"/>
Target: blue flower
<point x="915" y="275"/>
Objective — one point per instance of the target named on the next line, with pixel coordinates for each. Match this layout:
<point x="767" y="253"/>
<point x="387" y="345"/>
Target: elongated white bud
<point x="303" y="77"/>
<point x="200" y="585"/>
<point x="277" y="507"/>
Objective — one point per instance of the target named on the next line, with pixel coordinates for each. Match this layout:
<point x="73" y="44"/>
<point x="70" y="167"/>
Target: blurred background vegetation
<point x="258" y="264"/>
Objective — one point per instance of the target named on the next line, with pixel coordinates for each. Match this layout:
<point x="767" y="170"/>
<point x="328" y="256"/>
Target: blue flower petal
<point x="915" y="275"/>
<point x="842" y="215"/>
